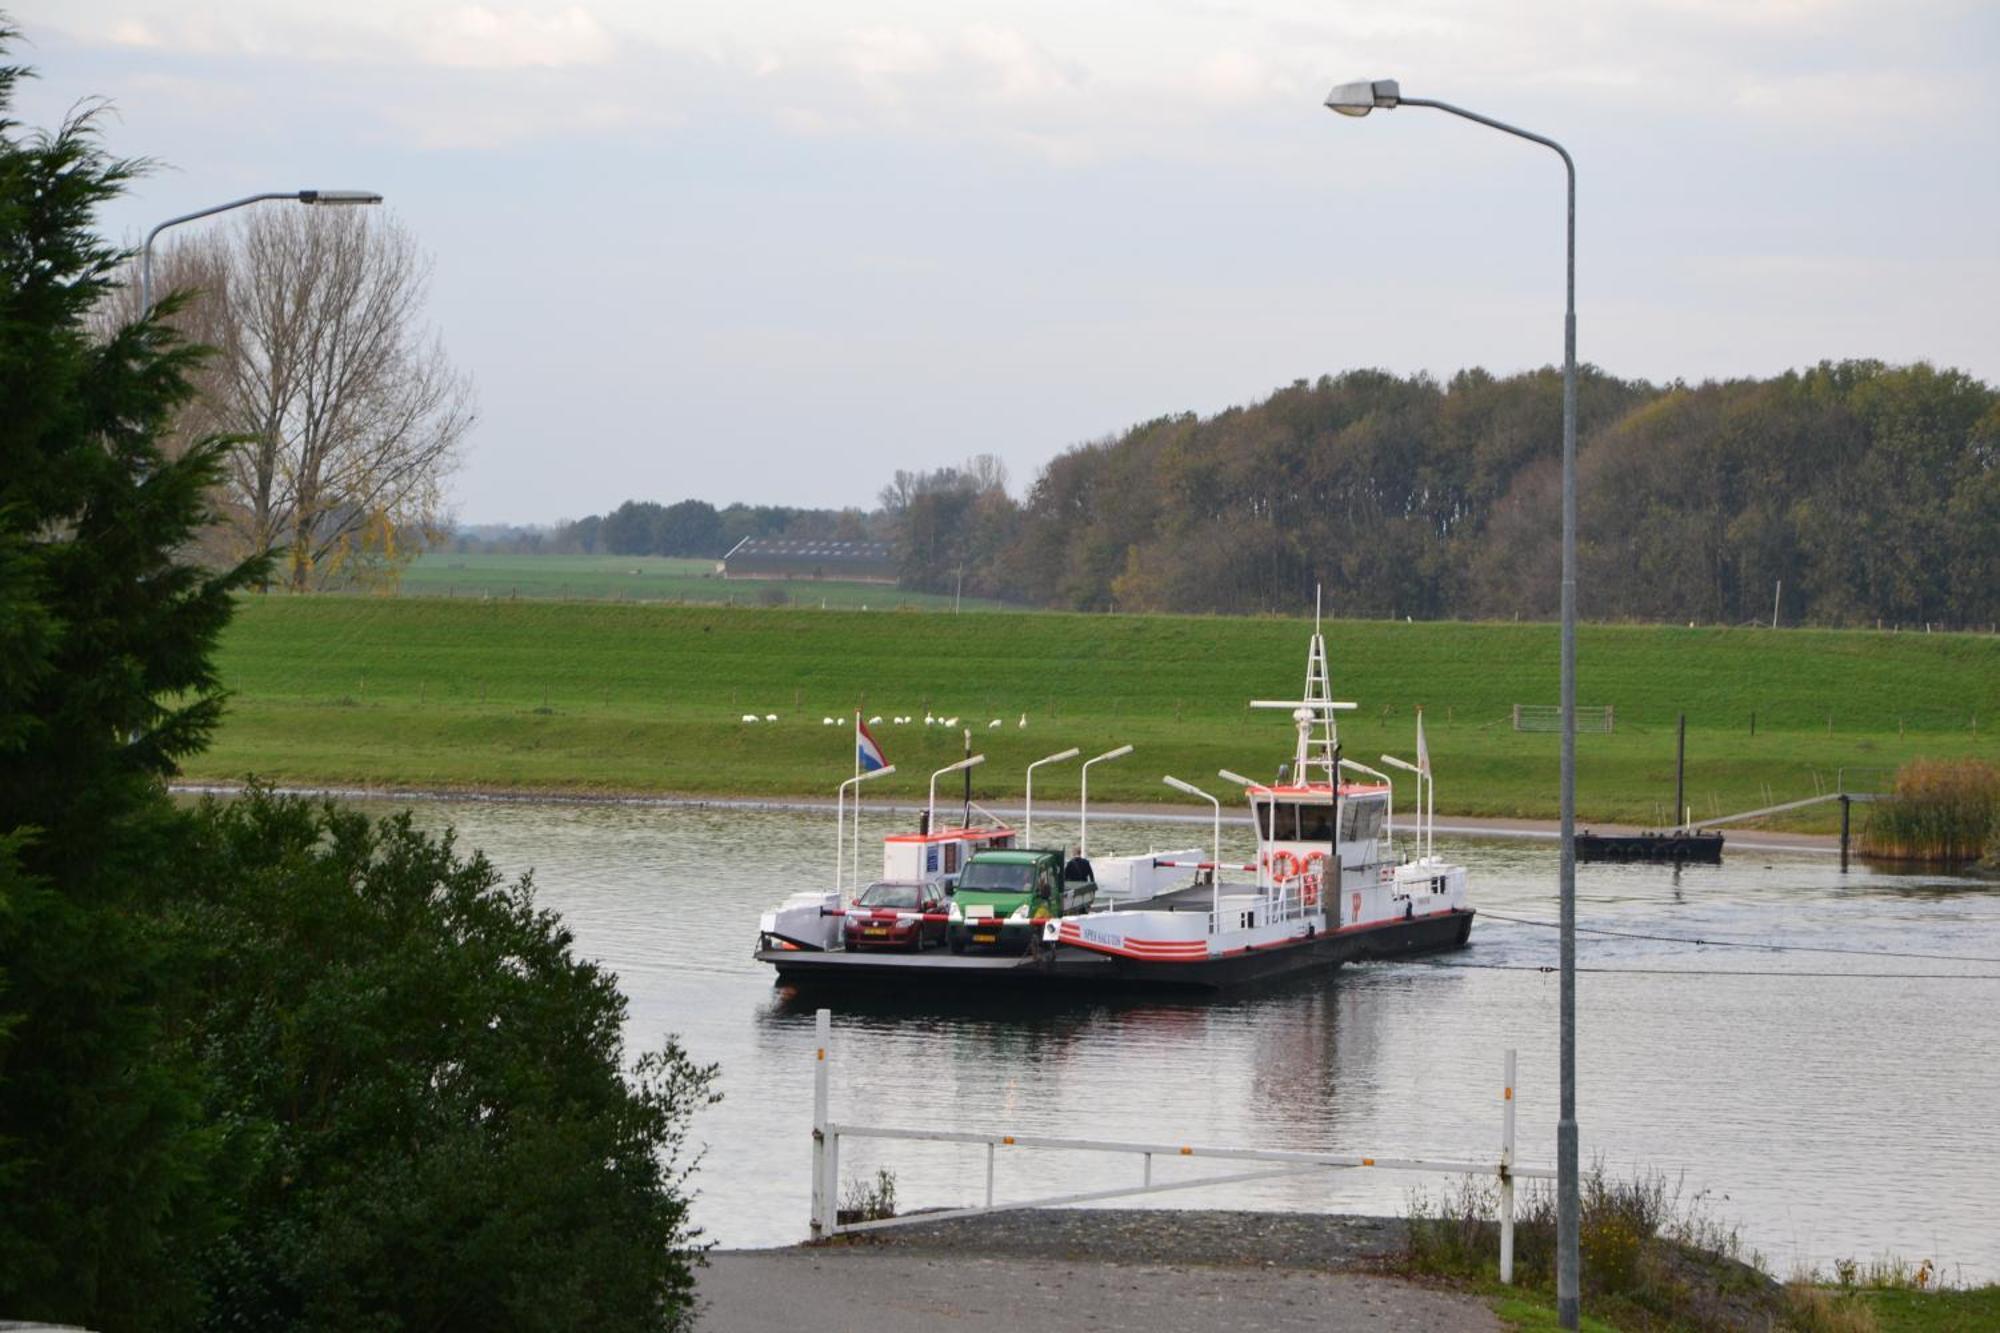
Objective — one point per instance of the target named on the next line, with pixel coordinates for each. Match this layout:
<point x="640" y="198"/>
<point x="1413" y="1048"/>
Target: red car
<point x="891" y="916"/>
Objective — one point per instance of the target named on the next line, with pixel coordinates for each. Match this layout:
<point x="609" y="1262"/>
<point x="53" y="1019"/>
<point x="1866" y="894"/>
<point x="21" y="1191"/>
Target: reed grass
<point x="1943" y="811"/>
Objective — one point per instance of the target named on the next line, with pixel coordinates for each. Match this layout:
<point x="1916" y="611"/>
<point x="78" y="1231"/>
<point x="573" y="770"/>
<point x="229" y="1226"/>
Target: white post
<point x="989" y="1173"/>
<point x="838" y="803"/>
<point x="1215" y="855"/>
<point x="1507" y="1175"/>
<point x="1083" y="807"/>
<point x="1028" y="833"/>
<point x="822" y="1034"/>
<point x="930" y="802"/>
<point x="1431" y="819"/>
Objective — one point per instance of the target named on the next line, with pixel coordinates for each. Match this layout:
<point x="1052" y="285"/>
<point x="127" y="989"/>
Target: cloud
<point x="480" y="37"/>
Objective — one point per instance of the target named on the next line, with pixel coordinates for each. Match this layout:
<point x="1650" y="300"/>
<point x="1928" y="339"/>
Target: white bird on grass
<point x="1023" y="722"/>
<point x="770" y="717"/>
<point x="826" y="722"/>
<point x="928" y="719"/>
<point x="749" y="717"/>
<point x="994" y="723"/>
<point x="950" y="722"/>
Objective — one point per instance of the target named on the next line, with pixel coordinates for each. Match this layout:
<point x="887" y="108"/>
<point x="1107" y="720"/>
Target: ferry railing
<point x="827" y="1134"/>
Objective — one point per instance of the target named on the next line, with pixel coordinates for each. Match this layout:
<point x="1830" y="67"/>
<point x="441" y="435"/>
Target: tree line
<point x="263" y="1063"/>
<point x="1867" y="491"/>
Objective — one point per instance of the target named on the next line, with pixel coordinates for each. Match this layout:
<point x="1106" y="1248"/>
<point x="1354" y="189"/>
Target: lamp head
<point x="339" y="197"/>
<point x="1358" y="99"/>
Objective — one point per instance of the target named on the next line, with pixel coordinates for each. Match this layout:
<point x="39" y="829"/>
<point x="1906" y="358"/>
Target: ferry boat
<point x="1329" y="887"/>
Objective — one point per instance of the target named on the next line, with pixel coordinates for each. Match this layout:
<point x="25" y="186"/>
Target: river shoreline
<point x="1469" y="826"/>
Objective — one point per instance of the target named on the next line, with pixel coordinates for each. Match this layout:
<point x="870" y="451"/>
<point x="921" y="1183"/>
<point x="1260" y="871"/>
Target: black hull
<point x="1667" y="848"/>
<point x="1069" y="968"/>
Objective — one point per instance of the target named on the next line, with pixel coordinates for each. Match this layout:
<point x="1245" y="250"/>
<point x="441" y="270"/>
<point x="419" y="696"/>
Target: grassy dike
<point x="582" y="697"/>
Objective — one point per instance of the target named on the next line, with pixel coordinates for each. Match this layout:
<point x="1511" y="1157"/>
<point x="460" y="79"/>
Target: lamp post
<point x="1358" y="99"/>
<point x="839" y="814"/>
<point x="930" y="803"/>
<point x="333" y="197"/>
<point x="1028" y="833"/>
<point x="1083" y="805"/>
<point x="1215" y="857"/>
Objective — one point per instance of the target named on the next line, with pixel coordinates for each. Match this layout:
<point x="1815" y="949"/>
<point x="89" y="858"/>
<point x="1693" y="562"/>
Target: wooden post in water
<point x="1680" y="770"/>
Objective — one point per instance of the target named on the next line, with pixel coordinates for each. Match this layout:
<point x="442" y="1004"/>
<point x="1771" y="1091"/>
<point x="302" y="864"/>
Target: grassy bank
<point x="1653" y="1257"/>
<point x="603" y="697"/>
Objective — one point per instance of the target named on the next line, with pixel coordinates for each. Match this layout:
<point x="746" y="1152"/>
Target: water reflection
<point x="1765" y="1089"/>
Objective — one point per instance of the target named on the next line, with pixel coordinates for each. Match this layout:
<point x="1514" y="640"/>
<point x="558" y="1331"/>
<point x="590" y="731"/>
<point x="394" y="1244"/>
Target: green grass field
<point x="604" y="697"/>
<point x="640" y="578"/>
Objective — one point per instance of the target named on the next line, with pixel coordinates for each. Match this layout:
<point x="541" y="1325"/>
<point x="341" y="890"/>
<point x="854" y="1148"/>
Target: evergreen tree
<point x="105" y="684"/>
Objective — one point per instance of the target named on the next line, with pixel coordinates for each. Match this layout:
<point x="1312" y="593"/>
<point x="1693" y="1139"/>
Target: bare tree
<point x="347" y="414"/>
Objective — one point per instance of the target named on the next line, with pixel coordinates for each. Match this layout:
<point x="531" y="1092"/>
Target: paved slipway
<point x="1103" y="1270"/>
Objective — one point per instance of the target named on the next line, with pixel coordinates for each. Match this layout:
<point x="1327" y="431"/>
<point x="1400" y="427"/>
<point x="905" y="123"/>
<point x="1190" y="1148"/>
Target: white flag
<point x="1423" y="751"/>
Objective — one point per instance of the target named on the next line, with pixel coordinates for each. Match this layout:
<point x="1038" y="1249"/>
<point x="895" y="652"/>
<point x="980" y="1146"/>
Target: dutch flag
<point x="867" y="751"/>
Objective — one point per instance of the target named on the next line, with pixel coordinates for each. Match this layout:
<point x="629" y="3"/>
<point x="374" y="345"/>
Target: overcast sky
<point x="772" y="250"/>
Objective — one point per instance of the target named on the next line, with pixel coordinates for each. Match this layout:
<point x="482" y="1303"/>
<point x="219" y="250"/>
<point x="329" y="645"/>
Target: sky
<point x="774" y="250"/>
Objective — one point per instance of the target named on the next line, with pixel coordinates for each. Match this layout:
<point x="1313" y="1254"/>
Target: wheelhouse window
<point x="1361" y="818"/>
<point x="1289" y="821"/>
<point x="1315" y="823"/>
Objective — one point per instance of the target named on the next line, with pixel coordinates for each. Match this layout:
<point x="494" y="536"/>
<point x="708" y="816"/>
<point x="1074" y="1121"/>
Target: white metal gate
<point x="1277" y="1162"/>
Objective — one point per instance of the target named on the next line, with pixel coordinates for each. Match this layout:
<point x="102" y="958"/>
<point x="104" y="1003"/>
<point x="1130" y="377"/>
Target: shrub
<point x="1943" y="810"/>
<point x="422" y="1090"/>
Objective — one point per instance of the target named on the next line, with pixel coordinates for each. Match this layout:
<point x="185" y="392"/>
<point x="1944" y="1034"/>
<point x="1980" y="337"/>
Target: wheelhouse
<point x="939" y="856"/>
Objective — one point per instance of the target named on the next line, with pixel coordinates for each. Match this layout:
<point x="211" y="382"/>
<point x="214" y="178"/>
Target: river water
<point x="1828" y="1104"/>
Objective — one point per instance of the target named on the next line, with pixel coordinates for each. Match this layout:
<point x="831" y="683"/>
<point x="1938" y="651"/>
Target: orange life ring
<point x="1311" y="893"/>
<point x="1283" y="867"/>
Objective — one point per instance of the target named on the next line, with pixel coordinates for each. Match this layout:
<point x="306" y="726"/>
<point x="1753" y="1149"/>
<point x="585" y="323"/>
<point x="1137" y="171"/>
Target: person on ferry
<point x="1078" y="870"/>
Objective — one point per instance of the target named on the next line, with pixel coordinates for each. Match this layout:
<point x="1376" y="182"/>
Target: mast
<point x="1317" y="755"/>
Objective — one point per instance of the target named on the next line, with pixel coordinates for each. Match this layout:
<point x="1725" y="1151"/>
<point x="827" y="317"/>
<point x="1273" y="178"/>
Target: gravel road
<point x="1153" y="1271"/>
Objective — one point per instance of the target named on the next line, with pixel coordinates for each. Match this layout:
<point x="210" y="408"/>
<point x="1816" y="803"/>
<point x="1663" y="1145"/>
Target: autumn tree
<point x="346" y="414"/>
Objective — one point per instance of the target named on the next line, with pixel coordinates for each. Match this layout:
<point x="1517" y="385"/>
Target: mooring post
<point x="1844" y="805"/>
<point x="989" y="1173"/>
<point x="1507" y="1175"/>
<point x="1680" y="770"/>
<point x="821" y="1213"/>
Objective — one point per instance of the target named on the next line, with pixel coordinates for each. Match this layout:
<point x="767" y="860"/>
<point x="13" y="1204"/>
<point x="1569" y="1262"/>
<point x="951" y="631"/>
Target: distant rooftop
<point x="814" y="550"/>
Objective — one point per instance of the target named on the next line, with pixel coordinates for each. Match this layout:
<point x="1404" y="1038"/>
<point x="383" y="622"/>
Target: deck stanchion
<point x="1507" y="1175"/>
<point x="822" y="1035"/>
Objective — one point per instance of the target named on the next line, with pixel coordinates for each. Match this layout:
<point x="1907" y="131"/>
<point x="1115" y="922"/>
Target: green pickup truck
<point x="1002" y="898"/>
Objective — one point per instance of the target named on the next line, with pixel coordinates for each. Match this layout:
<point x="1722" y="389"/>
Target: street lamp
<point x="333" y="197"/>
<point x="1028" y="833"/>
<point x="1083" y="807"/>
<point x="840" y="817"/>
<point x="1358" y="99"/>
<point x="1215" y="856"/>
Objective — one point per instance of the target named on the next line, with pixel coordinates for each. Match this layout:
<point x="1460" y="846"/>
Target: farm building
<point x="765" y="558"/>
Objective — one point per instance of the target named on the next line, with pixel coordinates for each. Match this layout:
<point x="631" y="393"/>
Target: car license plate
<point x="988" y="938"/>
<point x="875" y="930"/>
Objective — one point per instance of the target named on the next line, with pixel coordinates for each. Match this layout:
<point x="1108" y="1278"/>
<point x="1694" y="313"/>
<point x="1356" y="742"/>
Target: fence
<point x="828" y="1133"/>
<point x="1548" y="717"/>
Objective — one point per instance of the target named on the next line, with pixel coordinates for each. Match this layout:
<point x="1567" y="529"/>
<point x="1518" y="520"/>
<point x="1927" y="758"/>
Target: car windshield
<point x="1010" y="878"/>
<point x="890" y="895"/>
